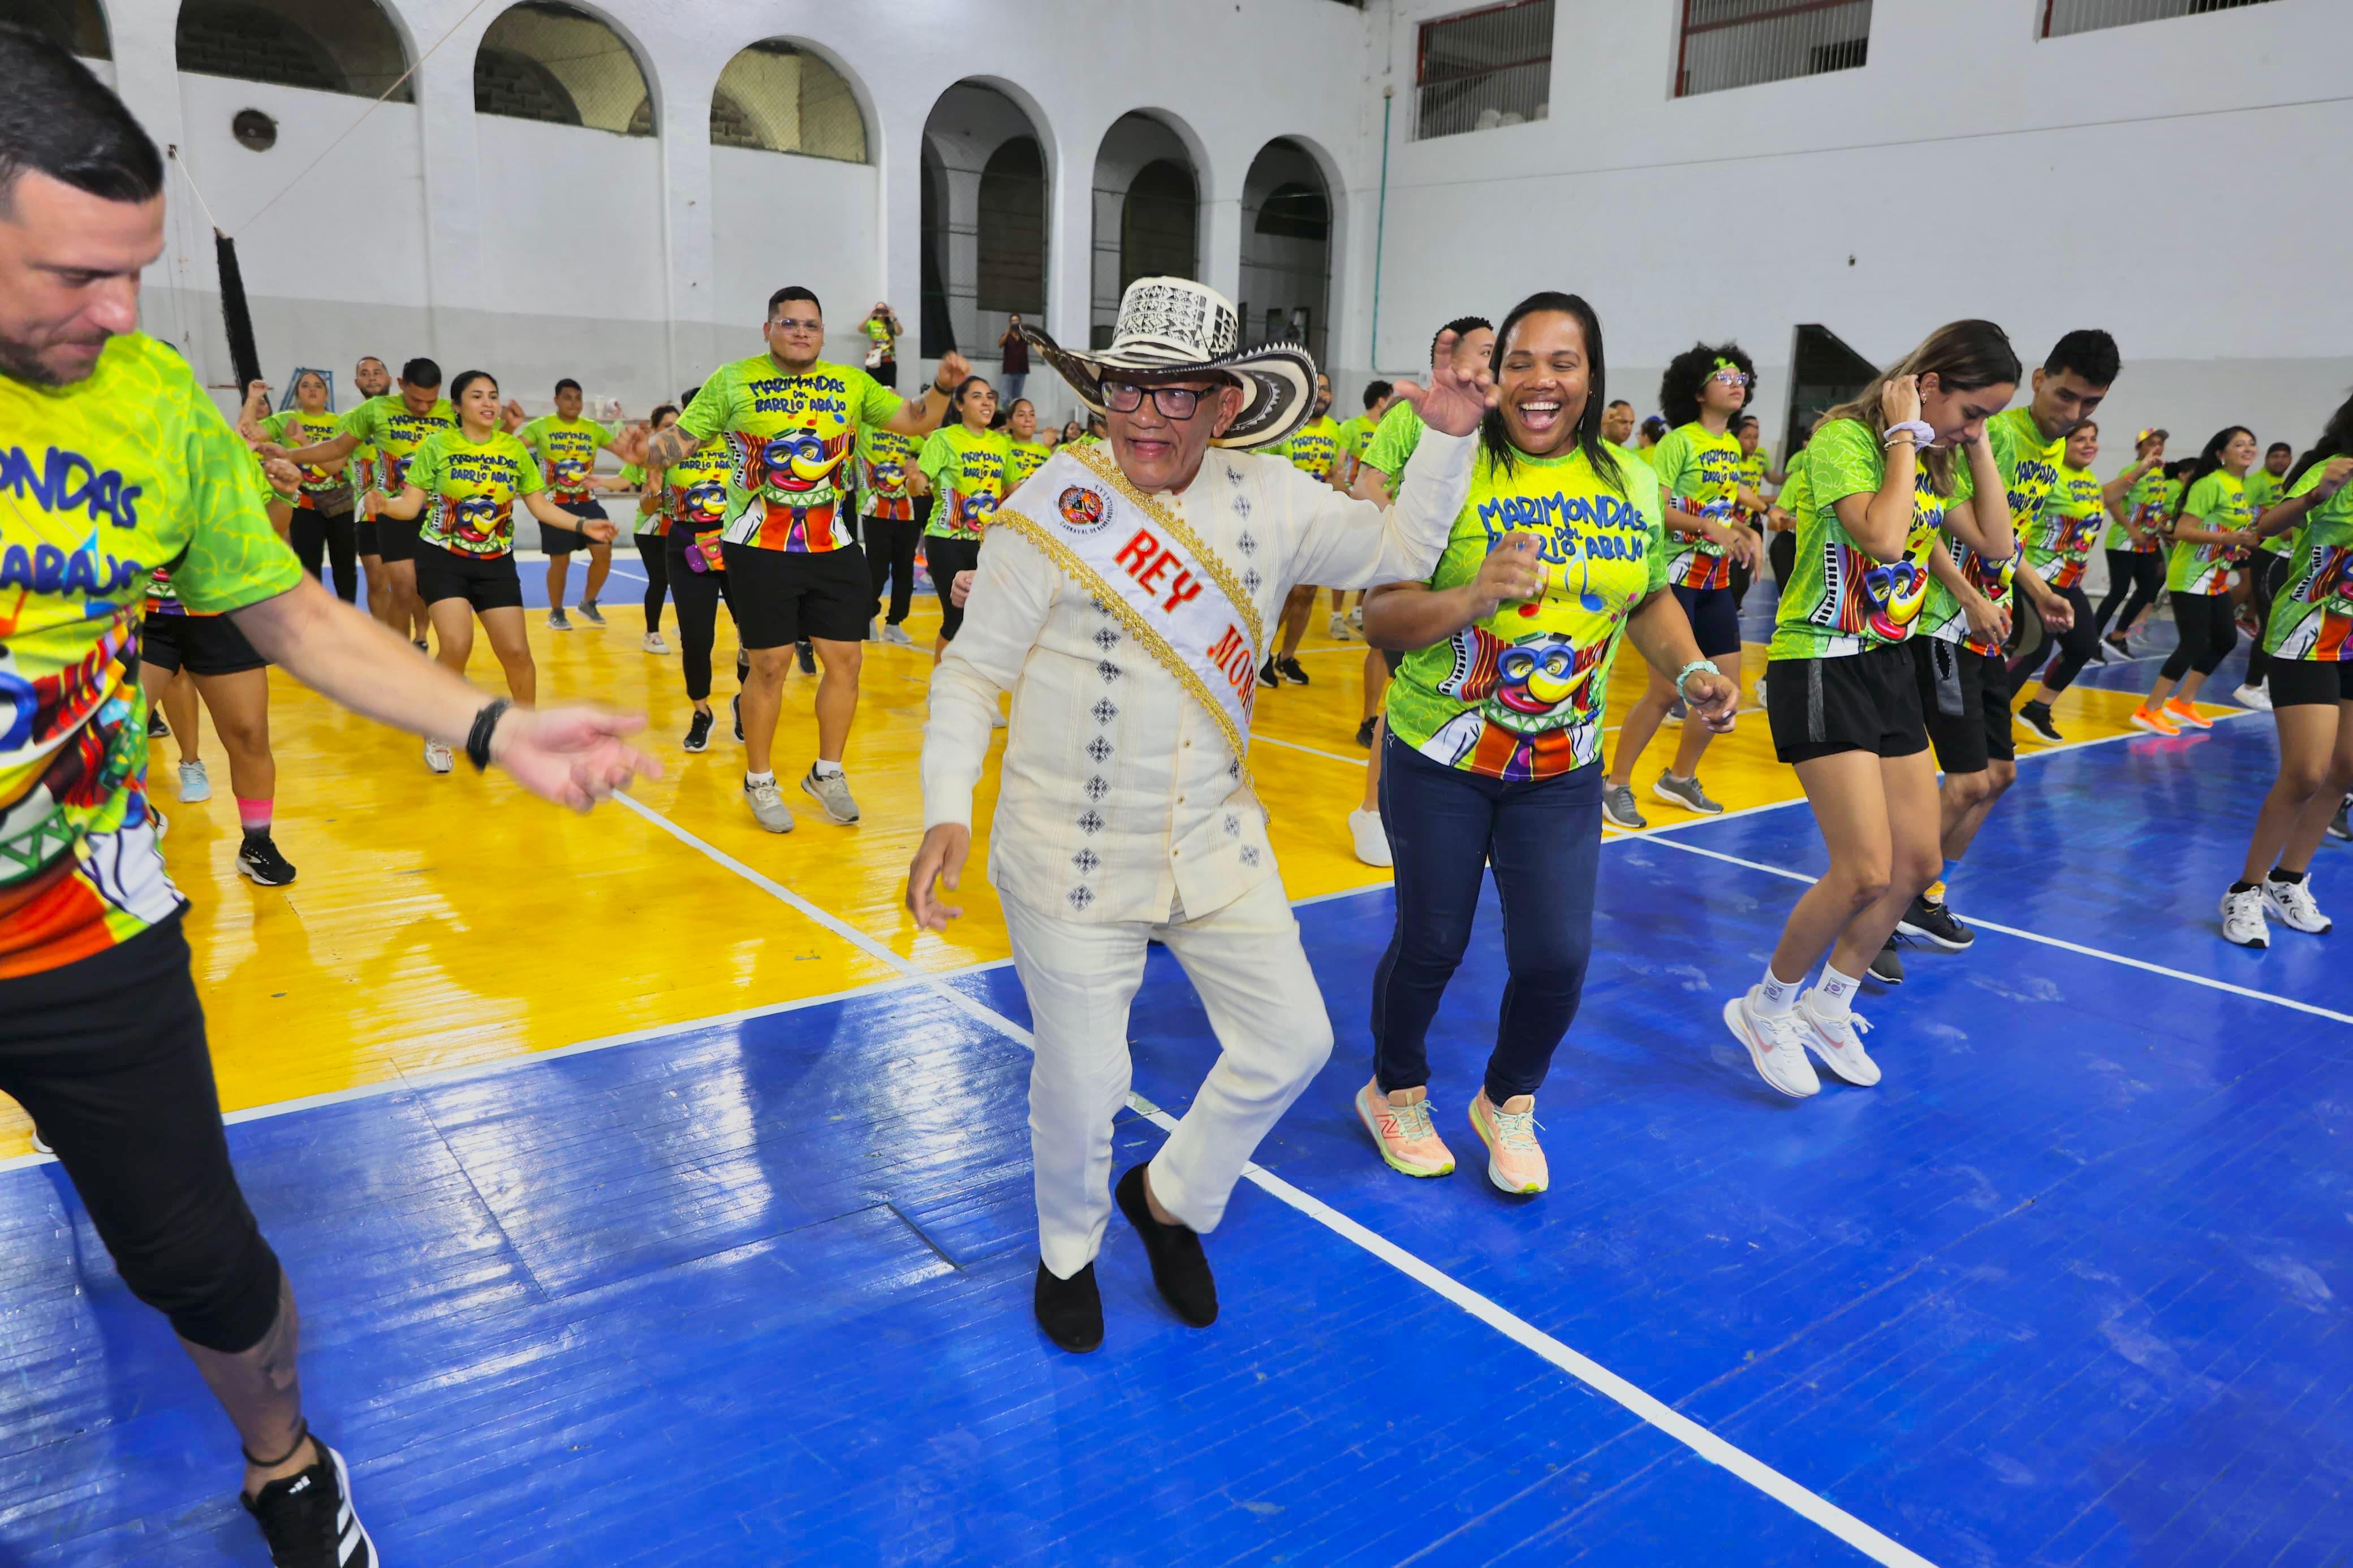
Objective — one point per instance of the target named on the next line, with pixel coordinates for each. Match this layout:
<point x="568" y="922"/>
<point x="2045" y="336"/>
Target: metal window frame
<point x="1687" y="30"/>
<point x="1421" y="77"/>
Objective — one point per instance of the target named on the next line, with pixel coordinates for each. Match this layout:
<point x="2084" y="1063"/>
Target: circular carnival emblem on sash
<point x="1083" y="509"/>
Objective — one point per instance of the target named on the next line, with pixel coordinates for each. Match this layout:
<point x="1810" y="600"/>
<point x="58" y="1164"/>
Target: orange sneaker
<point x="2154" y="721"/>
<point x="1515" y="1163"/>
<point x="1402" y="1132"/>
<point x="2186" y="715"/>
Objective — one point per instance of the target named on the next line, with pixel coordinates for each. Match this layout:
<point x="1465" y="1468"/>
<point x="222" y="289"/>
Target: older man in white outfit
<point x="1124" y="594"/>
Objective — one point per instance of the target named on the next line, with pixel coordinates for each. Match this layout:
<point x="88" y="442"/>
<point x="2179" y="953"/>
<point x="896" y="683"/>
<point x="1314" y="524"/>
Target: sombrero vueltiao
<point x="1173" y="328"/>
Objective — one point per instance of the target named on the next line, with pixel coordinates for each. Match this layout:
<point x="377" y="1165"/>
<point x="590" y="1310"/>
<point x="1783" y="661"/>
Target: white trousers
<point x="1246" y="963"/>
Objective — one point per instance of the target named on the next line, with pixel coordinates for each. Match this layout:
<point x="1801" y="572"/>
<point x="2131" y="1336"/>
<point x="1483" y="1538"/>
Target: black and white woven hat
<point x="1172" y="328"/>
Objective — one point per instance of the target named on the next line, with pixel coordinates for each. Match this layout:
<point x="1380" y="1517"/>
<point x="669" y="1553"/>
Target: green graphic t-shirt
<point x="1701" y="471"/>
<point x="566" y="451"/>
<point x="385" y="424"/>
<point x="2150" y="503"/>
<point x="324" y="490"/>
<point x="968" y="475"/>
<point x="1313" y="447"/>
<point x="694" y="492"/>
<point x="1521" y="695"/>
<point x="2028" y="462"/>
<point x="102" y="482"/>
<point x="1753" y="468"/>
<point x="1839" y="600"/>
<point x="788" y="437"/>
<point x="1399" y="433"/>
<point x="470" y="489"/>
<point x="1355" y="435"/>
<point x="2264" y="493"/>
<point x="2062" y="541"/>
<point x="1795" y="492"/>
<point x="2216" y="502"/>
<point x="885" y="459"/>
<point x="1027" y="459"/>
<point x="2313" y="614"/>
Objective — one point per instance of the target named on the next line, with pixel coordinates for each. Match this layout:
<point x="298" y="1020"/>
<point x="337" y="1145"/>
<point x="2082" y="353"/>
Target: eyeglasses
<point x="1173" y="402"/>
<point x="1732" y="377"/>
<point x="797" y="324"/>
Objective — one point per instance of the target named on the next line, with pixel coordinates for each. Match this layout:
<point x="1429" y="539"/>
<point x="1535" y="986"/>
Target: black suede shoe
<point x="1070" y="1310"/>
<point x="1179" y="1267"/>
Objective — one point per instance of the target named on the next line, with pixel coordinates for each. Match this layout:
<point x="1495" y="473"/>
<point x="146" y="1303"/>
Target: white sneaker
<point x="194" y="784"/>
<point x="1337" y="626"/>
<point x="1776" y="1047"/>
<point x="654" y="643"/>
<point x="1356" y="617"/>
<point x="831" y="793"/>
<point x="437" y="756"/>
<point x="2254" y="697"/>
<point x="1372" y="838"/>
<point x="2243" y="918"/>
<point x="2290" y="903"/>
<point x="896" y="635"/>
<point x="768" y="807"/>
<point x="1839" y="1042"/>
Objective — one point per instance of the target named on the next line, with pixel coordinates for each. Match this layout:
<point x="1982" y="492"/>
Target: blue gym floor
<point x="2067" y="1288"/>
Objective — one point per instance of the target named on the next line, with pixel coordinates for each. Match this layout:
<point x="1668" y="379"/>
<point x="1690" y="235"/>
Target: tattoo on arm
<point x="669" y="446"/>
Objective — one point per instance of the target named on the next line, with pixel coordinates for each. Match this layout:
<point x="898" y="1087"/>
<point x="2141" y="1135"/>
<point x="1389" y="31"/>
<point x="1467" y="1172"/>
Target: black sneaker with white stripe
<point x="259" y="859"/>
<point x="309" y="1520"/>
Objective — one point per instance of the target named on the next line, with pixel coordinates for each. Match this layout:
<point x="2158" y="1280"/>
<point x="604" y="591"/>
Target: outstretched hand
<point x="1452" y="403"/>
<point x="631" y="444"/>
<point x="572" y="757"/>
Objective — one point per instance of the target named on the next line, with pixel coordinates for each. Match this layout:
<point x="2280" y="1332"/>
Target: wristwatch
<point x="1921" y="431"/>
<point x="1687" y="671"/>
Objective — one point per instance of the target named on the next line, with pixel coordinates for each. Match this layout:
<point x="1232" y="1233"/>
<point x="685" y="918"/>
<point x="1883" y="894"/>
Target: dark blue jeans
<point x="1445" y="827"/>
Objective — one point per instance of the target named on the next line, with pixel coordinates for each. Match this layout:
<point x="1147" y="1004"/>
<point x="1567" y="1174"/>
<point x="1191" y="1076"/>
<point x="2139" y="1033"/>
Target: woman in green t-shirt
<point x="1887" y="475"/>
<point x="965" y="465"/>
<point x="2212" y="535"/>
<point x="467" y="482"/>
<point x="2309" y="636"/>
<point x="2136" y="555"/>
<point x="322" y="532"/>
<point x="1026" y="454"/>
<point x="2058" y="549"/>
<point x="1492" y="755"/>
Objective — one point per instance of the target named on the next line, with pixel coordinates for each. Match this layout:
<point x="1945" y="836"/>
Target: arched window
<point x="551" y="62"/>
<point x="1158" y="224"/>
<point x="78" y="25"/>
<point x="327" y="45"/>
<point x="1295" y="212"/>
<point x="776" y="97"/>
<point x="1012" y="237"/>
<point x="1147" y="204"/>
<point x="1287" y="248"/>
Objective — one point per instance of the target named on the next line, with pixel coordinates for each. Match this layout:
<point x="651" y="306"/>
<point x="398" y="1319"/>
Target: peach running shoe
<point x="2186" y="714"/>
<point x="1515" y="1163"/>
<point x="1403" y="1132"/>
<point x="2154" y="721"/>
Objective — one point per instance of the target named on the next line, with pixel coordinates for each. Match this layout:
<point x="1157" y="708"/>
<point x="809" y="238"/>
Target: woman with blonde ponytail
<point x="1887" y="475"/>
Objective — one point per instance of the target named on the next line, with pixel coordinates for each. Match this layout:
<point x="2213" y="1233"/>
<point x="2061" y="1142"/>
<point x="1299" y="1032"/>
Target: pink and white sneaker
<point x="1515" y="1161"/>
<point x="1403" y="1133"/>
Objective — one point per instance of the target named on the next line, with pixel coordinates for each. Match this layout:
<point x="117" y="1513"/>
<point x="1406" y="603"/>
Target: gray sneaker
<point x="1686" y="793"/>
<point x="557" y="621"/>
<point x="896" y="635"/>
<point x="590" y="613"/>
<point x="1617" y="807"/>
<point x="768" y="807"/>
<point x="831" y="793"/>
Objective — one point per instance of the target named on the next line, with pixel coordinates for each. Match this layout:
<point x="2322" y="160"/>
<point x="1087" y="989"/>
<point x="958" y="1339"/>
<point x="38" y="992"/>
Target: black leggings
<point x="891" y="558"/>
<point x="107" y="1055"/>
<point x="1742" y="577"/>
<point x="944" y="558"/>
<point x="2265" y="573"/>
<point x="2136" y="577"/>
<point x="697" y="595"/>
<point x="653" y="554"/>
<point x="2209" y="630"/>
<point x="334" y="535"/>
<point x="2075" y="645"/>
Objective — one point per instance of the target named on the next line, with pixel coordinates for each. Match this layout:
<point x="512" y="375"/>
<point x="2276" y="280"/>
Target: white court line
<point x="1863" y="1537"/>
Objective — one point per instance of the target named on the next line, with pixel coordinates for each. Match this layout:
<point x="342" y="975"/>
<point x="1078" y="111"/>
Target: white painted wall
<point x="2156" y="180"/>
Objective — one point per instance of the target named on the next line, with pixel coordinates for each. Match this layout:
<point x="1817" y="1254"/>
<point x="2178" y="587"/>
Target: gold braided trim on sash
<point x="1105" y="469"/>
<point x="1144" y="632"/>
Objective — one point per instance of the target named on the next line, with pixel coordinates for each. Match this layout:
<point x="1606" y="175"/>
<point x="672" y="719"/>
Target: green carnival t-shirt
<point x="1839" y="600"/>
<point x="2263" y="491"/>
<point x="1027" y="459"/>
<point x="2216" y="502"/>
<point x="385" y="424"/>
<point x="1521" y="695"/>
<point x="566" y="450"/>
<point x="1753" y="468"/>
<point x="2150" y="503"/>
<point x="2062" y="539"/>
<point x="885" y="459"/>
<point x="102" y="482"/>
<point x="1796" y="493"/>
<point x="1313" y="447"/>
<point x="788" y="435"/>
<point x="324" y="490"/>
<point x="968" y="475"/>
<point x="1355" y="435"/>
<point x="1701" y="471"/>
<point x="694" y="492"/>
<point x="1391" y="448"/>
<point x="470" y="489"/>
<point x="2028" y="462"/>
<point x="2312" y="614"/>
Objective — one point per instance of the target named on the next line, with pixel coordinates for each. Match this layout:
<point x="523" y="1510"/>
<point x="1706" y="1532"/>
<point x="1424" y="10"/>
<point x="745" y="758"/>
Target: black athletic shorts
<point x="1977" y="689"/>
<point x="202" y="645"/>
<point x="484" y="582"/>
<point x="1867" y="701"/>
<point x="2310" y="680"/>
<point x="780" y="596"/>
<point x="397" y="540"/>
<point x="364" y="531"/>
<point x="565" y="541"/>
<point x="107" y="1056"/>
<point x="1715" y="620"/>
